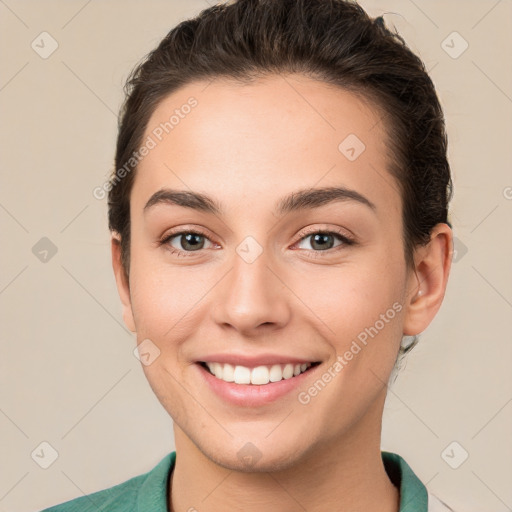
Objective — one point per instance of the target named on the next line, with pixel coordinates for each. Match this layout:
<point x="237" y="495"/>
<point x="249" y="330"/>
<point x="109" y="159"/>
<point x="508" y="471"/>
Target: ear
<point x="122" y="283"/>
<point x="427" y="282"/>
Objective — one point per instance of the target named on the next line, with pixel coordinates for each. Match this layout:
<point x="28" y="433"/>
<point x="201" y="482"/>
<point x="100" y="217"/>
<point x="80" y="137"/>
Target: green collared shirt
<point x="148" y="492"/>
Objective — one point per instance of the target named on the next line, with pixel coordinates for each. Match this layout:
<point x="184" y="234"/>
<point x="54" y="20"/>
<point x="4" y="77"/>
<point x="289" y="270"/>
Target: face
<point x="268" y="282"/>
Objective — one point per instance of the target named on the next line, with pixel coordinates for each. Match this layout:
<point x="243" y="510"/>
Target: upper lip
<point x="254" y="360"/>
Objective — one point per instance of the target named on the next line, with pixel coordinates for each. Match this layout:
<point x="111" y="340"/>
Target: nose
<point x="253" y="297"/>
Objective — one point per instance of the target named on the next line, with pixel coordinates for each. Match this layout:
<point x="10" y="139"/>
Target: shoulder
<point x="118" y="497"/>
<point x="148" y="489"/>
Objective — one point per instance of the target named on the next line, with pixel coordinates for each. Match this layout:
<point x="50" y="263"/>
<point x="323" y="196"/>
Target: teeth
<point x="217" y="370"/>
<point x="242" y="375"/>
<point x="228" y="373"/>
<point x="259" y="375"/>
<point x="275" y="374"/>
<point x="288" y="371"/>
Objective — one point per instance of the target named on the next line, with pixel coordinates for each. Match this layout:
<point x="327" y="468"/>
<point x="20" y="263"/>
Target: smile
<point x="259" y="375"/>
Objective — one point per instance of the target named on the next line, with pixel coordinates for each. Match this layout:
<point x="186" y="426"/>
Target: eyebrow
<point x="296" y="201"/>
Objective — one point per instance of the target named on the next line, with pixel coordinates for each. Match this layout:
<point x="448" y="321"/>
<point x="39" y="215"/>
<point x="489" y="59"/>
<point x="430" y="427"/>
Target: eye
<point x="184" y="242"/>
<point x="322" y="241"/>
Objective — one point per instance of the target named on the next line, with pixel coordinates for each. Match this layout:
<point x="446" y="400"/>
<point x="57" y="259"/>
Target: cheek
<point x="163" y="299"/>
<point x="361" y="308"/>
<point x="360" y="312"/>
<point x="351" y="300"/>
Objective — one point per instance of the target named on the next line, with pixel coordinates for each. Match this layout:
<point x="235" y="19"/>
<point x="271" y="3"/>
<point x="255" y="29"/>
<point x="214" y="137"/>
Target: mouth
<point x="259" y="375"/>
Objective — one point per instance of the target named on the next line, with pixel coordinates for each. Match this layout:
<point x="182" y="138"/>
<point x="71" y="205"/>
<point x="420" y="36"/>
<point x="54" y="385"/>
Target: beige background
<point x="68" y="375"/>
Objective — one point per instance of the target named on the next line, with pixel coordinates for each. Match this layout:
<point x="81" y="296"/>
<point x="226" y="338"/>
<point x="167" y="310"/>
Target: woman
<point x="279" y="219"/>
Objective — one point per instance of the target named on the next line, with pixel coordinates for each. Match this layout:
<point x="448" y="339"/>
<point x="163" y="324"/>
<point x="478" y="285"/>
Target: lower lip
<point x="251" y="395"/>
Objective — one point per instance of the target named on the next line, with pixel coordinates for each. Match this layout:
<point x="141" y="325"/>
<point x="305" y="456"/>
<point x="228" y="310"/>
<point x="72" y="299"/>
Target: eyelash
<point x="316" y="254"/>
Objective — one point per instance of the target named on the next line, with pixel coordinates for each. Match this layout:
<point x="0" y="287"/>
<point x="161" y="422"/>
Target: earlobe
<point x="427" y="283"/>
<point x="122" y="283"/>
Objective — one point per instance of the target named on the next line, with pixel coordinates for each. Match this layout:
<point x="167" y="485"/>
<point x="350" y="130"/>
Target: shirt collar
<point x="413" y="494"/>
<point x="154" y="489"/>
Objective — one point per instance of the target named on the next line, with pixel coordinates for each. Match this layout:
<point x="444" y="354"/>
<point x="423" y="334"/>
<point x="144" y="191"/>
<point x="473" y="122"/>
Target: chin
<point x="258" y="453"/>
<point x="254" y="460"/>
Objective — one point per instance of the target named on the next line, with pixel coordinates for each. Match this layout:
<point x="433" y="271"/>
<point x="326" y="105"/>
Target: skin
<point x="247" y="147"/>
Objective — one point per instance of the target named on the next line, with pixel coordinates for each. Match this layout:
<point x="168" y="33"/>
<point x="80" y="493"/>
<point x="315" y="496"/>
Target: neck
<point x="346" y="473"/>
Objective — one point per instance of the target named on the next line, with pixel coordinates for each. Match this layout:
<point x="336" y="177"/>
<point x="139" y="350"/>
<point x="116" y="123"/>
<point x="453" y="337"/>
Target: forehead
<point x="262" y="140"/>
